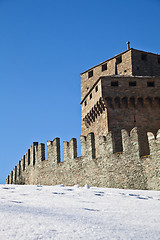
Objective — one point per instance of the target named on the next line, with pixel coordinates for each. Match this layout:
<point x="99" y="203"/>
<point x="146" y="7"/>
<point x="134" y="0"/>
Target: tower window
<point x="90" y="74"/>
<point x="90" y="96"/>
<point x="150" y="84"/>
<point x="158" y="60"/>
<point x="132" y="102"/>
<point x="96" y="88"/>
<point x="85" y="103"/>
<point x="119" y="59"/>
<point x="132" y="84"/>
<point x="104" y="67"/>
<point x="114" y="84"/>
<point x="140" y="102"/>
<point x="144" y="56"/>
<point x="117" y="102"/>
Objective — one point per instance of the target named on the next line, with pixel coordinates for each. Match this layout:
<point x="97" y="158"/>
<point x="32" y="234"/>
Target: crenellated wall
<point x="126" y="169"/>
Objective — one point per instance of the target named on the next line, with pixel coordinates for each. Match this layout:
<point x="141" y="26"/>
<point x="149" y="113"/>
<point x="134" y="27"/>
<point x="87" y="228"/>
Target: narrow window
<point x="157" y="101"/>
<point x="132" y="84"/>
<point x="144" y="56"/>
<point x="104" y="67"/>
<point x="150" y="84"/>
<point x="132" y="102"/>
<point x="85" y="103"/>
<point x="91" y="96"/>
<point x="158" y="60"/>
<point x="90" y="74"/>
<point x="119" y="59"/>
<point x="125" y="102"/>
<point x="114" y="84"/>
<point x="96" y="89"/>
<point x="117" y="102"/>
<point x="140" y="102"/>
<point x="149" y="101"/>
<point x="109" y="102"/>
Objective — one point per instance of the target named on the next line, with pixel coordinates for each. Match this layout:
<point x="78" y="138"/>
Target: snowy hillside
<point x="58" y="212"/>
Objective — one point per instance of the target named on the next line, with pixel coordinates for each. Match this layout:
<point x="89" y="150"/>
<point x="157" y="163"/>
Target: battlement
<point x="121" y="93"/>
<point x="97" y="171"/>
<point x="121" y="102"/>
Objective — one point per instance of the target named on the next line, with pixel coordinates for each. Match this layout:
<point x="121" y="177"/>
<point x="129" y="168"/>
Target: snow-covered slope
<point x="58" y="212"/>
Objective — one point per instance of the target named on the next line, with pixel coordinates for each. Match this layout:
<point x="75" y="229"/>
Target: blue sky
<point x="44" y="46"/>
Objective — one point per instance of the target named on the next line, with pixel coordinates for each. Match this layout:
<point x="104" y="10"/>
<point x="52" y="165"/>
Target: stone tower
<point x="122" y="92"/>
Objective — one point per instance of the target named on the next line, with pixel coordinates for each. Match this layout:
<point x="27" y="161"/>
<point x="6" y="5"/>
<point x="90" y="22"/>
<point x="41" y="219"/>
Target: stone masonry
<point x="121" y="93"/>
<point x="127" y="169"/>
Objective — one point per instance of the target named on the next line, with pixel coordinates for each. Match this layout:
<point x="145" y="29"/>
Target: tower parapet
<point x="122" y="98"/>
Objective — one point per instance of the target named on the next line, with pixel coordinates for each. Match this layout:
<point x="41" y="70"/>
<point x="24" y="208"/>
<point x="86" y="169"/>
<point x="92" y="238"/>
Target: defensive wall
<point x="126" y="169"/>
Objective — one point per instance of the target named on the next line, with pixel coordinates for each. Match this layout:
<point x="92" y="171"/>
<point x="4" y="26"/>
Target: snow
<point x="61" y="212"/>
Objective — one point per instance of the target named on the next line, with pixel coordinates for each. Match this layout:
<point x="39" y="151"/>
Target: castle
<point x="120" y="122"/>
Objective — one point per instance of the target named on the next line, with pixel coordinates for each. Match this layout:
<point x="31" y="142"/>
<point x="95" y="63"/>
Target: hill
<point x="61" y="212"/>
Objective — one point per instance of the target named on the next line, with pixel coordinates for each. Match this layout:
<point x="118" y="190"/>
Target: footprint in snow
<point x="39" y="187"/>
<point x="123" y="194"/>
<point x="16" y="201"/>
<point x="133" y="195"/>
<point x="144" y="198"/>
<point x="58" y="193"/>
<point x="138" y="196"/>
<point x="90" y="209"/>
<point x="101" y="194"/>
<point x="69" y="189"/>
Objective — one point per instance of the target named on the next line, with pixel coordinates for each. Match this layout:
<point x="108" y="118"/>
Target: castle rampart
<point x="121" y="93"/>
<point x="126" y="169"/>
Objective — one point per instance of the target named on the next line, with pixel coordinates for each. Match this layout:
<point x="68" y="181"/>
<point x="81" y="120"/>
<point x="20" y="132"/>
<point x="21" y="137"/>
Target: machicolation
<point x="120" y="122"/>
